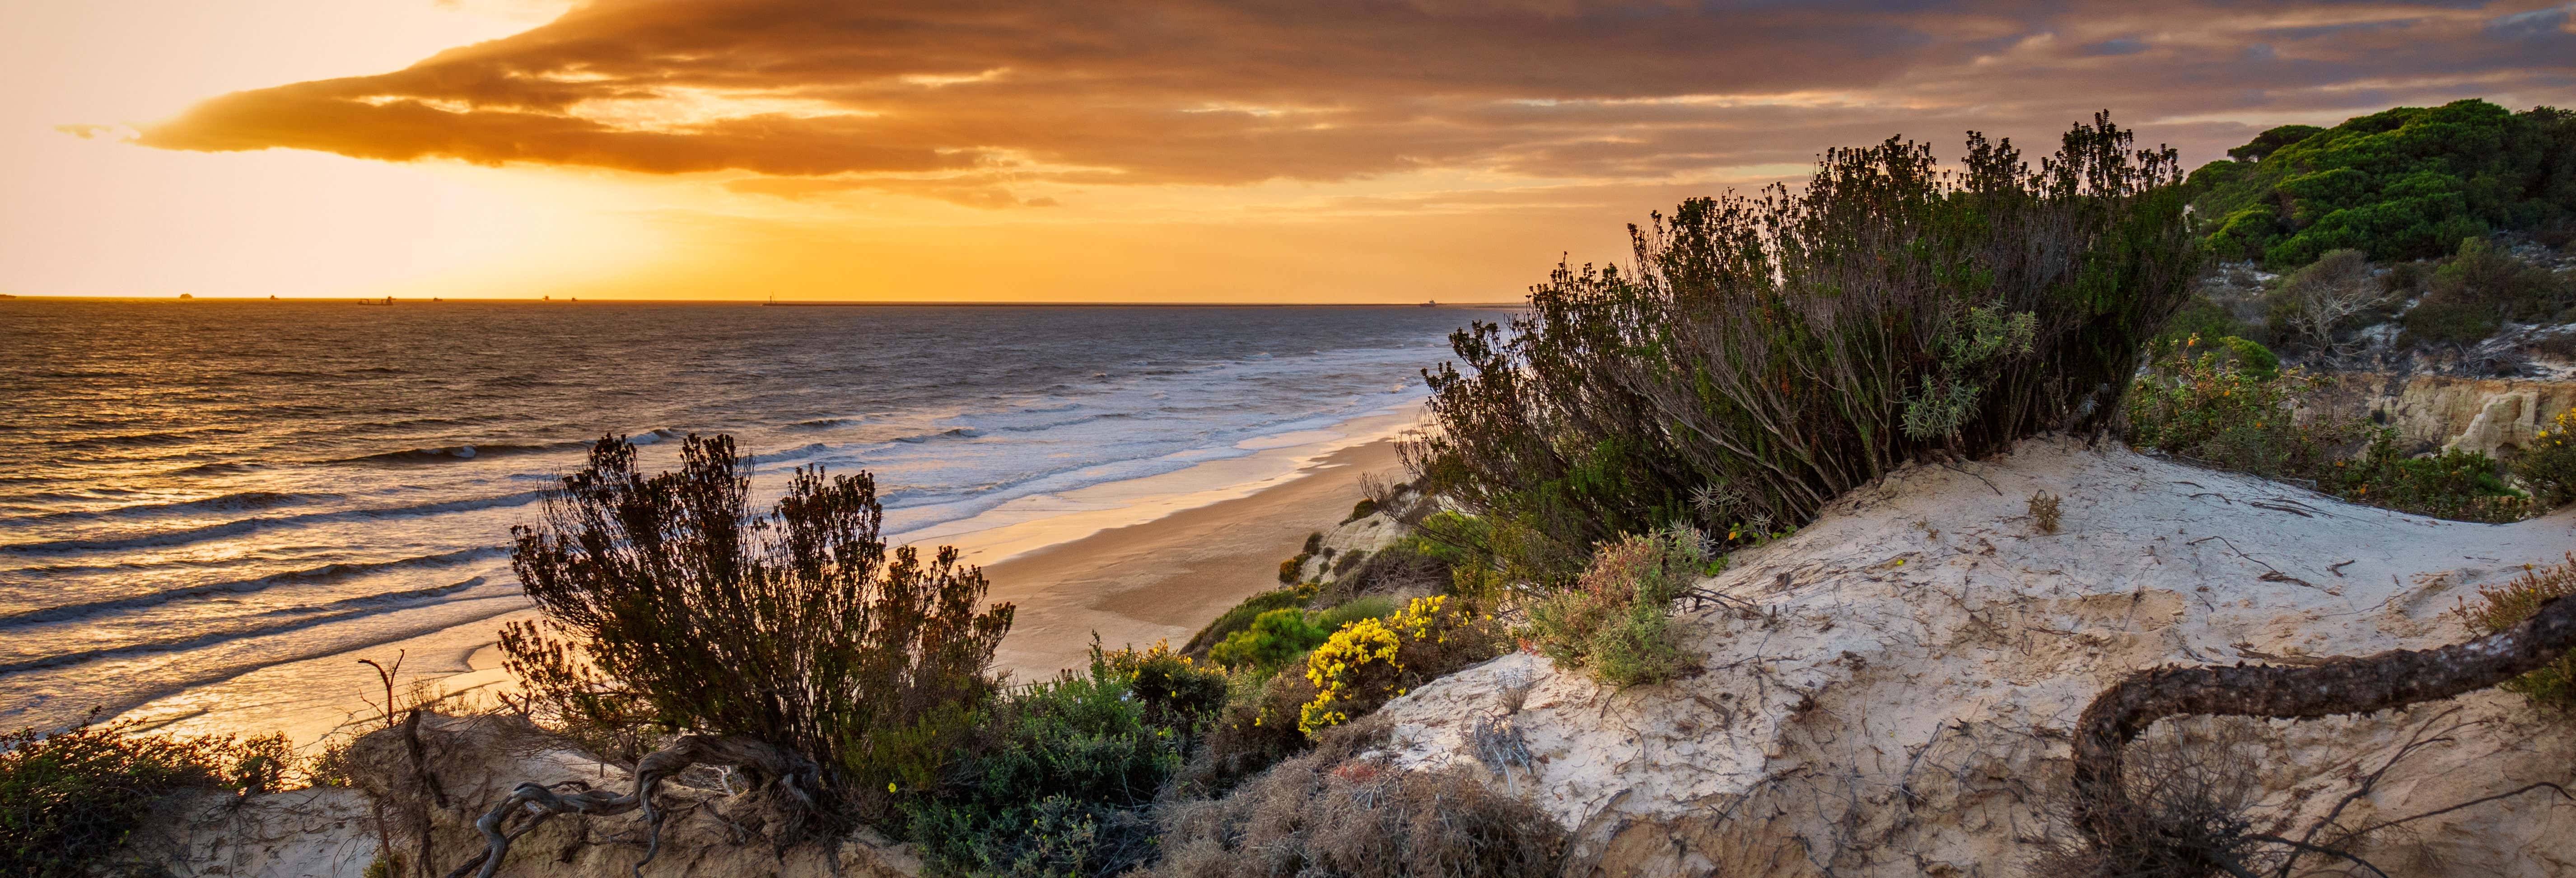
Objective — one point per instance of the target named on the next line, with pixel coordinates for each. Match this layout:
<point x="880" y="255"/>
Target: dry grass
<point x="1343" y="810"/>
<point x="2505" y="606"/>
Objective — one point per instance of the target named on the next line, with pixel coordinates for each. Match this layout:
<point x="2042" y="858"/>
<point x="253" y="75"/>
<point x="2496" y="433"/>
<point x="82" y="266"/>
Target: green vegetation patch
<point x="2404" y="183"/>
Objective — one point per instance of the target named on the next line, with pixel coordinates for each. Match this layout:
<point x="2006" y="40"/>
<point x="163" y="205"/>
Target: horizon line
<point x="840" y="303"/>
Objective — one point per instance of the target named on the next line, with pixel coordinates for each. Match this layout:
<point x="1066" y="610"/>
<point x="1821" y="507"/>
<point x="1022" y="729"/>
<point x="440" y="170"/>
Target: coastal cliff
<point x="1890" y="690"/>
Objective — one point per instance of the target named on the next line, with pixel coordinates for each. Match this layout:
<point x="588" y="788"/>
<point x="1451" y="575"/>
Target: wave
<point x="324" y="573"/>
<point x="249" y="525"/>
<point x="305" y="618"/>
<point x="462" y="452"/>
<point x="233" y="502"/>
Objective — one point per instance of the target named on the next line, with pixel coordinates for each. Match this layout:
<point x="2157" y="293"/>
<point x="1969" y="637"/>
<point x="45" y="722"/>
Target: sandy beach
<point x="1136" y="561"/>
<point x="1166" y="578"/>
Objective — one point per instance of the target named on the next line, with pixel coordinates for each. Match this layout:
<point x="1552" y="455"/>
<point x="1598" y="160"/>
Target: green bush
<point x="1767" y="355"/>
<point x="1274" y="639"/>
<point x="1241" y="616"/>
<point x="2507" y="605"/>
<point x="1368" y="607"/>
<point x="2405" y="183"/>
<point x="2204" y="318"/>
<point x="2454" y="484"/>
<point x="797" y="628"/>
<point x="1616" y="621"/>
<point x="70" y="800"/>
<point x="1363" y="509"/>
<point x="1057" y="782"/>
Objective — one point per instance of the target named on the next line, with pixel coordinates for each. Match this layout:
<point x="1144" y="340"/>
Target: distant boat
<point x="1430" y="304"/>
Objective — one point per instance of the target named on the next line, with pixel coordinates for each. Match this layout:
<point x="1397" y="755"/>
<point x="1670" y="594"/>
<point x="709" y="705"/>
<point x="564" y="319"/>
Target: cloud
<point x="996" y="104"/>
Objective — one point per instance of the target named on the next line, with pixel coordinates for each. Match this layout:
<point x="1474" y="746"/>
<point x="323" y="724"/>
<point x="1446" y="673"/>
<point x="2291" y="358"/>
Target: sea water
<point x="191" y="491"/>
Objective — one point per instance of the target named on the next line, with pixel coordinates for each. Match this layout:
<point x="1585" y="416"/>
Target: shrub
<point x="70" y="800"/>
<point x="1275" y="639"/>
<point x="2547" y="465"/>
<point x="1768" y="354"/>
<point x="2213" y="411"/>
<point x="1334" y="812"/>
<point x="1241" y="616"/>
<point x="2455" y="484"/>
<point x="1371" y="661"/>
<point x="1056" y="783"/>
<point x="1293" y="569"/>
<point x="2473" y="293"/>
<point x="665" y="597"/>
<point x="1616" y="621"/>
<point x="2206" y="406"/>
<point x="1363" y="509"/>
<point x="2507" y="605"/>
<point x="2318" y="304"/>
<point x="1257" y="730"/>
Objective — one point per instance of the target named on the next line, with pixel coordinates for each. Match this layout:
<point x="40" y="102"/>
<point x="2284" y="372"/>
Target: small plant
<point x="2043" y="511"/>
<point x="1363" y="509"/>
<point x="1616" y="620"/>
<point x="1371" y="661"/>
<point x="1293" y="569"/>
<point x="2507" y="605"/>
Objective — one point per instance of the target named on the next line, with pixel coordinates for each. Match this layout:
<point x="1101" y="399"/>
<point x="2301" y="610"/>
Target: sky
<point x="1077" y="150"/>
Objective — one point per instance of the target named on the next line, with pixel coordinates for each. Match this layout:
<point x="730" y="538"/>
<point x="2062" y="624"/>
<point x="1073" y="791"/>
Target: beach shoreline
<point x="1133" y="562"/>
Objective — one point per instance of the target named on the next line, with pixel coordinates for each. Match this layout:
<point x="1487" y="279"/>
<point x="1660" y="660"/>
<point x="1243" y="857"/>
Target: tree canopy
<point x="2404" y="183"/>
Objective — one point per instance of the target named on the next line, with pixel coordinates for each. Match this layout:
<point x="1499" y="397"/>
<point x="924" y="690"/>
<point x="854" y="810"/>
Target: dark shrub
<point x="1257" y="729"/>
<point x="1767" y="355"/>
<point x="70" y="800"/>
<point x="666" y="597"/>
<point x="2548" y="464"/>
<point x="1363" y="509"/>
<point x="2473" y="293"/>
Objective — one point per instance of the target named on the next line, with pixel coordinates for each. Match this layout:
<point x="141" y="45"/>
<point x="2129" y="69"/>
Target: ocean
<point x="194" y="490"/>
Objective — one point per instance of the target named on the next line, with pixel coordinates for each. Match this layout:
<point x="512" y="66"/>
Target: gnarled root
<point x="2395" y="678"/>
<point x="799" y="778"/>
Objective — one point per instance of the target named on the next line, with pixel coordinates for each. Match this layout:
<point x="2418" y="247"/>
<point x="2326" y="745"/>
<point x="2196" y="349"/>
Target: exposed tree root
<point x="2395" y="678"/>
<point x="797" y="777"/>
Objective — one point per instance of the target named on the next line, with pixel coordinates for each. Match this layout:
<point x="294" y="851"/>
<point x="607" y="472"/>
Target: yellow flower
<point x="889" y="787"/>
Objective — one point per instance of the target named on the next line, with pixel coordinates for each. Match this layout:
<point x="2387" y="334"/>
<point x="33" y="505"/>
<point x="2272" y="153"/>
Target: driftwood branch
<point x="765" y="764"/>
<point x="2395" y="678"/>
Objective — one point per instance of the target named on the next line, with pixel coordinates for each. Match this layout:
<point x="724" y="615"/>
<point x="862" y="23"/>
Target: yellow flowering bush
<point x="2547" y="464"/>
<point x="1370" y="661"/>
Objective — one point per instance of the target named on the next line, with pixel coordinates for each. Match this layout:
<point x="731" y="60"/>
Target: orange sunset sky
<point x="1135" y="150"/>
